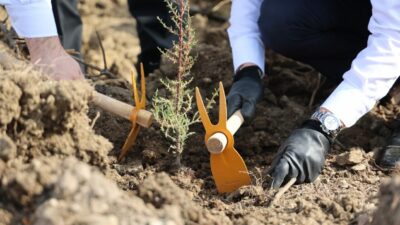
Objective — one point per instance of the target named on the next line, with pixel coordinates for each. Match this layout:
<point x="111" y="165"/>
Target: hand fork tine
<point x="131" y="139"/>
<point x="222" y="106"/>
<point x="135" y="92"/>
<point x="205" y="119"/>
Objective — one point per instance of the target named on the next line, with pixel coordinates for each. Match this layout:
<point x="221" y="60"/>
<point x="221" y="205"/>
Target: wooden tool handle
<point x="217" y="142"/>
<point x="144" y="117"/>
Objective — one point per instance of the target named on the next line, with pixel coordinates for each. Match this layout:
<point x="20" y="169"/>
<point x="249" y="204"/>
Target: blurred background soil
<point x="58" y="152"/>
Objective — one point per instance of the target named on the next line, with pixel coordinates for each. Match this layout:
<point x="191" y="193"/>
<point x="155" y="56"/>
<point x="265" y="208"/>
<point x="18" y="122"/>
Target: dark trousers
<point x="69" y="24"/>
<point x="326" y="34"/>
<point x="152" y="34"/>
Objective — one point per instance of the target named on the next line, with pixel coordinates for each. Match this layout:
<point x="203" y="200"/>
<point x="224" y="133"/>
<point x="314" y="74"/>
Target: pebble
<point x="8" y="149"/>
<point x="359" y="167"/>
<point x="354" y="156"/>
<point x="343" y="184"/>
<point x="284" y="101"/>
<point x="206" y="80"/>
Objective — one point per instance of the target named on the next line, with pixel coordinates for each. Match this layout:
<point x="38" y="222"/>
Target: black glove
<point x="246" y="91"/>
<point x="302" y="155"/>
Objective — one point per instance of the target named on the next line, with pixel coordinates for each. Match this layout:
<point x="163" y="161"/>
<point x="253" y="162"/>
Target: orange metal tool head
<point x="228" y="168"/>
<point x="139" y="104"/>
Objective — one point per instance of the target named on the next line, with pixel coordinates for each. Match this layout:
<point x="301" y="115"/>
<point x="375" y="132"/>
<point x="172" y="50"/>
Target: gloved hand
<point x="245" y="92"/>
<point x="302" y="155"/>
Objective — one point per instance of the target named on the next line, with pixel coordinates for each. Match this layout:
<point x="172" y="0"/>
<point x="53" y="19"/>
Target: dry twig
<point x="282" y="191"/>
<point x="95" y="119"/>
<point x="102" y="71"/>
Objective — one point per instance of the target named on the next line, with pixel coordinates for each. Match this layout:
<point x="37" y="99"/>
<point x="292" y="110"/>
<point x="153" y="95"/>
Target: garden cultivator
<point x="139" y="105"/>
<point x="137" y="115"/>
<point x="227" y="166"/>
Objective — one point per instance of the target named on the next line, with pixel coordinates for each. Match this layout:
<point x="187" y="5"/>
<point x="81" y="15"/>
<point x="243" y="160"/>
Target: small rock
<point x="354" y="156"/>
<point x="343" y="184"/>
<point x="371" y="154"/>
<point x="150" y="156"/>
<point x="7" y="148"/>
<point x="284" y="101"/>
<point x="206" y="80"/>
<point x="359" y="167"/>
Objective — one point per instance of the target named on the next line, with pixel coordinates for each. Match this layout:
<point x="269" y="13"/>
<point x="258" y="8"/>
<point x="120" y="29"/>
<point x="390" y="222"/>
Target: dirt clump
<point x="43" y="117"/>
<point x="352" y="157"/>
<point x="23" y="183"/>
<point x="388" y="211"/>
<point x="82" y="195"/>
<point x="161" y="191"/>
<point x="8" y="149"/>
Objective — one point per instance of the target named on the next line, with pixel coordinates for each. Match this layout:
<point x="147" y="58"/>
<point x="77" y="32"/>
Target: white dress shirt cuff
<point x="33" y="20"/>
<point x="248" y="50"/>
<point x="348" y="103"/>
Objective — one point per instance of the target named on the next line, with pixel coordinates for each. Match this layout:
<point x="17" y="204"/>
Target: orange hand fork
<point x="227" y="166"/>
<point x="139" y="105"/>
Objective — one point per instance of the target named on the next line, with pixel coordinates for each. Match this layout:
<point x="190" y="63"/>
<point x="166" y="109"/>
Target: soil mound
<point x="162" y="192"/>
<point x="82" y="195"/>
<point x="40" y="117"/>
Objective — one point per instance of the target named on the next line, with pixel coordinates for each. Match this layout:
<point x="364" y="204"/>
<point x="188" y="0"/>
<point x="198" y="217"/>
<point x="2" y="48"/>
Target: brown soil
<point x="389" y="205"/>
<point x="54" y="167"/>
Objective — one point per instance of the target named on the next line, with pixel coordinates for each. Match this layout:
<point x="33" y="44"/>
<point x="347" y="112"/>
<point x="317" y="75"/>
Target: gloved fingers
<point x="279" y="173"/>
<point x="276" y="160"/>
<point x="248" y="110"/>
<point x="293" y="173"/>
<point x="234" y="103"/>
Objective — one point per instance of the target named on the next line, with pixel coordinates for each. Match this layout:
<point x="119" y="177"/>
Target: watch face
<point x="331" y="122"/>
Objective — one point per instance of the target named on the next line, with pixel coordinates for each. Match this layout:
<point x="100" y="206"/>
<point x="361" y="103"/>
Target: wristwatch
<point x="330" y="124"/>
